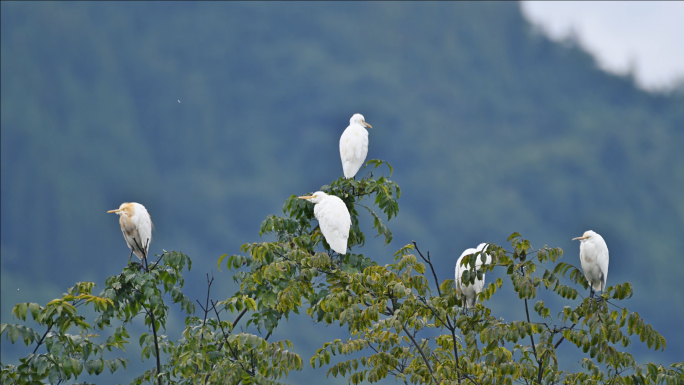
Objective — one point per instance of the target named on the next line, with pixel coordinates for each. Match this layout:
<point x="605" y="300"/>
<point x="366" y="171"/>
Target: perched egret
<point x="354" y="145"/>
<point x="471" y="291"/>
<point x="333" y="219"/>
<point x="594" y="259"/>
<point x="136" y="226"/>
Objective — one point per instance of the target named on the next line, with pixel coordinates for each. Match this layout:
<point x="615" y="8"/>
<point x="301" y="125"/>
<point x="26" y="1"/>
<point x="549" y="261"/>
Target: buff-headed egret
<point x="354" y="145"/>
<point x="594" y="260"/>
<point x="136" y="226"/>
<point x="333" y="219"/>
<point x="466" y="291"/>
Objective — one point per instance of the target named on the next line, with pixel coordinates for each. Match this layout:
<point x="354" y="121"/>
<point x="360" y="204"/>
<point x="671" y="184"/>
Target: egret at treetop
<point x="333" y="219"/>
<point x="354" y="145"/>
<point x="594" y="260"/>
<point x="468" y="292"/>
<point x="136" y="226"/>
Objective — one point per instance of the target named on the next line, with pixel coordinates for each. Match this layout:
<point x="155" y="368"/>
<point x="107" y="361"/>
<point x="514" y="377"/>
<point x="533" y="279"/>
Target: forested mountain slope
<point x="212" y="114"/>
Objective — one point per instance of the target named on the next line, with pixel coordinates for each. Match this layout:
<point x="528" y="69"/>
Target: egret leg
<point x="130" y="256"/>
<point x="144" y="253"/>
<point x="466" y="307"/>
<point x="335" y="258"/>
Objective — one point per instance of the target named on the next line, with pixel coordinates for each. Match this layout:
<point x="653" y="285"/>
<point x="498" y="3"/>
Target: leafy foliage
<point x="66" y="355"/>
<point x="402" y="320"/>
<point x="386" y="307"/>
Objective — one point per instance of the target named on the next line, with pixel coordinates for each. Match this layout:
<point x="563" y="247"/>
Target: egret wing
<point x="459" y="273"/>
<point x="334" y="221"/>
<point x="353" y="143"/>
<point x="353" y="149"/>
<point x="603" y="264"/>
<point x="144" y="225"/>
<point x="131" y="234"/>
<point x="347" y="148"/>
<point x="583" y="263"/>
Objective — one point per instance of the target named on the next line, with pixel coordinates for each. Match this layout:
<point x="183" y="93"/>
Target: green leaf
<point x="67" y="368"/>
<point x="13" y="333"/>
<point x="53" y="377"/>
<point x="41" y="365"/>
<point x="220" y="260"/>
<point x="113" y="365"/>
<point x="377" y="162"/>
<point x="20" y="311"/>
<point x="35" y="310"/>
<point x="378" y="224"/>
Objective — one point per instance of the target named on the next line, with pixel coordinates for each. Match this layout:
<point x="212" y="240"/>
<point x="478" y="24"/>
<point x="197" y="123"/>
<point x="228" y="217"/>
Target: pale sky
<point x="647" y="35"/>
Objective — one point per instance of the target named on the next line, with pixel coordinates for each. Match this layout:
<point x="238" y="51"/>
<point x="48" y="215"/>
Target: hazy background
<point x="212" y="114"/>
<point x="639" y="37"/>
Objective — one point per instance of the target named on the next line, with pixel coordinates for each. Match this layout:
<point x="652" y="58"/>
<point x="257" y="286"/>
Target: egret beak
<point x="367" y="125"/>
<point x="114" y="211"/>
<point x="306" y="197"/>
<point x="579" y="238"/>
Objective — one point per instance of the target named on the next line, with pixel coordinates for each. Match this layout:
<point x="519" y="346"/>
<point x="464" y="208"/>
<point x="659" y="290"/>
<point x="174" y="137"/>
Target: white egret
<point x="136" y="226"/>
<point x="333" y="219"/>
<point x="594" y="259"/>
<point x="354" y="145"/>
<point x="469" y="293"/>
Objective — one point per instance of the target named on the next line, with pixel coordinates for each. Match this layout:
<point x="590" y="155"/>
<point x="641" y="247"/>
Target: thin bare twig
<point x="562" y="337"/>
<point x="534" y="348"/>
<point x="427" y="363"/>
<point x="225" y="336"/>
<point x="206" y="306"/>
<point x="151" y="313"/>
<point x="450" y="326"/>
<point x="427" y="260"/>
<point x="43" y="338"/>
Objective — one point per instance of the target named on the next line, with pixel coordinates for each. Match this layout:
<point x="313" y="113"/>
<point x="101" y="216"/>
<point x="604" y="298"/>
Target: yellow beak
<point x="114" y="211"/>
<point x="367" y="125"/>
<point x="579" y="238"/>
<point x="306" y="197"/>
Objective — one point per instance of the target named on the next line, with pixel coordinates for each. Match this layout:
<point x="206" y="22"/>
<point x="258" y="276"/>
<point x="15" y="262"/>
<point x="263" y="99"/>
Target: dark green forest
<point x="212" y="114"/>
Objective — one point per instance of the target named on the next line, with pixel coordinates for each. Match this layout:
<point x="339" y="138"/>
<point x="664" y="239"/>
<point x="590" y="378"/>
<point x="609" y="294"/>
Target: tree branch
<point x="534" y="348"/>
<point x="156" y="345"/>
<point x="451" y="328"/>
<point x="151" y="314"/>
<point x="225" y="337"/>
<point x="429" y="262"/>
<point x="427" y="363"/>
<point x="43" y="338"/>
<point x="206" y="307"/>
<point x="562" y="337"/>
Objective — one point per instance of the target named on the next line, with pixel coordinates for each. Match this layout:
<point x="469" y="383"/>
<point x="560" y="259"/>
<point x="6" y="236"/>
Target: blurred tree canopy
<point x="212" y="114"/>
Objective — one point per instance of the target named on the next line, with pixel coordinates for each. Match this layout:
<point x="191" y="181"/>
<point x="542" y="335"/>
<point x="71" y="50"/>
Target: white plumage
<point x="136" y="226"/>
<point x="333" y="219"/>
<point x="354" y="145"/>
<point x="470" y="292"/>
<point x="594" y="259"/>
